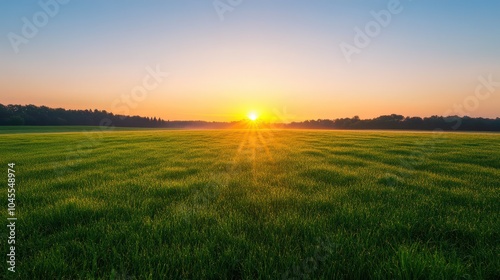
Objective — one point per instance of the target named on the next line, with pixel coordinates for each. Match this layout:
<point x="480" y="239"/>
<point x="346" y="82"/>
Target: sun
<point x="253" y="116"/>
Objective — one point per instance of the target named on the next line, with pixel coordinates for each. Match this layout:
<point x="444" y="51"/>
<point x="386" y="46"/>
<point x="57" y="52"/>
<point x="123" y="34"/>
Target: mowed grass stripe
<point x="240" y="204"/>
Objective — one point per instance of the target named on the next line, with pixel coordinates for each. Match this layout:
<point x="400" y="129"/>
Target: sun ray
<point x="264" y="144"/>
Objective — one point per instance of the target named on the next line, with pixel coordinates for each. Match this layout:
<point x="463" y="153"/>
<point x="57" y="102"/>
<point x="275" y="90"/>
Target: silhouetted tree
<point x="34" y="115"/>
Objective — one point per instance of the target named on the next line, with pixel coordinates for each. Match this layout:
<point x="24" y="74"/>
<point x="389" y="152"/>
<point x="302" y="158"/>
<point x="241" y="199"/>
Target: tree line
<point x="448" y="123"/>
<point x="42" y="115"/>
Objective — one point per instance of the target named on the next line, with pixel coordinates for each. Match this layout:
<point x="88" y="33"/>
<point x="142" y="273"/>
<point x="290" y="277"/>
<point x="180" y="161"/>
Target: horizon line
<point x="259" y="120"/>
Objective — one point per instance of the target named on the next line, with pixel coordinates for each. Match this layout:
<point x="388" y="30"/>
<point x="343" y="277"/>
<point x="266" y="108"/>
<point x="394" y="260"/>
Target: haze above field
<point x="277" y="59"/>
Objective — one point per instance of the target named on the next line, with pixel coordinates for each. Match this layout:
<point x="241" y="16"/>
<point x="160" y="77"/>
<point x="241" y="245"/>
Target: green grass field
<point x="254" y="204"/>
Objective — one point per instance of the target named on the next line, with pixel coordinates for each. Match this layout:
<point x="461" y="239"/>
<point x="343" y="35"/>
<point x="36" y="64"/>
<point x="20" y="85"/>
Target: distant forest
<point x="42" y="115"/>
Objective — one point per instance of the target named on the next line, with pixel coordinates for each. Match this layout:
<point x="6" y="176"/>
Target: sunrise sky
<point x="281" y="59"/>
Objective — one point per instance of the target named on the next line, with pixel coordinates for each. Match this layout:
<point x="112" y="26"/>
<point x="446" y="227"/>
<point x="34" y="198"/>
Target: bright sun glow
<point x="253" y="116"/>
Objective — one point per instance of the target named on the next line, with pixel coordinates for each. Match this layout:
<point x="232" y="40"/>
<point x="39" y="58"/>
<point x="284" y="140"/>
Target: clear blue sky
<point x="264" y="56"/>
